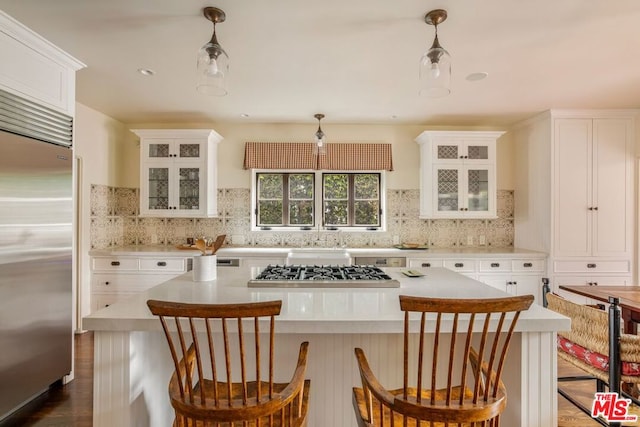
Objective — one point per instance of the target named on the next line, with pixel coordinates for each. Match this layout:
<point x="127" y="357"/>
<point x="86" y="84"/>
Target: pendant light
<point x="435" y="65"/>
<point x="320" y="148"/>
<point x="213" y="61"/>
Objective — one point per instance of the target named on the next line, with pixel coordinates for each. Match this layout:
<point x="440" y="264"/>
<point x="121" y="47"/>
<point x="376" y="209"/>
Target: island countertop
<point x="313" y="310"/>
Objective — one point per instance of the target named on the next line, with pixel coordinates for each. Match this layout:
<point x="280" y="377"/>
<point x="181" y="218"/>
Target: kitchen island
<point x="132" y="363"/>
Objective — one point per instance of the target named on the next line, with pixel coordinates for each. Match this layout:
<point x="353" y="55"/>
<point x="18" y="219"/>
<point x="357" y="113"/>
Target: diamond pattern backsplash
<point x="115" y="222"/>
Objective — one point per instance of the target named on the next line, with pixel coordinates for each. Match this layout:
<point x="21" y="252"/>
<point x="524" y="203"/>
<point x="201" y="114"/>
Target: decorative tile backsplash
<point x="115" y="221"/>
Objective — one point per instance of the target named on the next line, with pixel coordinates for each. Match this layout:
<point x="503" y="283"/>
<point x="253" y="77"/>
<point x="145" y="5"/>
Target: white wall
<point x="105" y="154"/>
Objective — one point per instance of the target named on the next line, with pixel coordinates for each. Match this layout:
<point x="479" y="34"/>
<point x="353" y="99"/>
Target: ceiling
<point x="356" y="61"/>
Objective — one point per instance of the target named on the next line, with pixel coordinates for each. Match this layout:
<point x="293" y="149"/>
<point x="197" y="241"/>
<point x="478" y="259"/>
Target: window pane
<point x="270" y="212"/>
<point x="336" y="212"/>
<point x="301" y="212"/>
<point x="366" y="186"/>
<point x="270" y="186"/>
<point x="336" y="186"/>
<point x="366" y="212"/>
<point x="300" y="186"/>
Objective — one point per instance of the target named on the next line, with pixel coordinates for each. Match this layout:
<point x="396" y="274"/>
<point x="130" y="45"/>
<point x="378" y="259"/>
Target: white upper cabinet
<point x="593" y="172"/>
<point x="35" y="69"/>
<point x="178" y="174"/>
<point x="458" y="174"/>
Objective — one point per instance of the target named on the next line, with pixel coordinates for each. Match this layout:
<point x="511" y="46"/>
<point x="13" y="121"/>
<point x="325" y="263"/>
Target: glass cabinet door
<point x="188" y="150"/>
<point x="477" y="152"/>
<point x="189" y="188"/>
<point x="478" y="189"/>
<point x="455" y="152"/>
<point x="158" y="184"/>
<point x="158" y="150"/>
<point x="448" y="185"/>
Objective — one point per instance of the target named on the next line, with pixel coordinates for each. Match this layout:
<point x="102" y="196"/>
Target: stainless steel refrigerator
<point x="36" y="215"/>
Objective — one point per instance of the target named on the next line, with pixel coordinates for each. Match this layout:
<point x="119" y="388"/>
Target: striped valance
<point x="300" y="155"/>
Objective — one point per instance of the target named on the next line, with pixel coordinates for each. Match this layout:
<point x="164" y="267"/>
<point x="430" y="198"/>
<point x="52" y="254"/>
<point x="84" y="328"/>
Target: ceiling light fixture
<point x="319" y="149"/>
<point x="435" y="65"/>
<point x="146" y="71"/>
<point x="213" y="61"/>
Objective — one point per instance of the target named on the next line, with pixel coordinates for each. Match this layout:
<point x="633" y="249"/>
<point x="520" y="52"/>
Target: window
<point x="307" y="199"/>
<point x="351" y="199"/>
<point x="285" y="199"/>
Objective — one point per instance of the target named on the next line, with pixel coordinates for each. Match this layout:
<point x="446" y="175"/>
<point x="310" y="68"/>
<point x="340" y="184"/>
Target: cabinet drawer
<point x="115" y="264"/>
<point x="159" y="264"/>
<point x="591" y="267"/>
<point x="495" y="265"/>
<point x="101" y="301"/>
<point x="108" y="283"/>
<point x="524" y="265"/>
<point x="461" y="265"/>
<point x="425" y="263"/>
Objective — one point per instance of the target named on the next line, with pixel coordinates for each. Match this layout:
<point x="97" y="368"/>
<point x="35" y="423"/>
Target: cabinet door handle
<point x="591" y="266"/>
<point x="458" y="265"/>
<point x="590" y="208"/>
<point x="527" y="264"/>
<point x="595" y="208"/>
<point x="162" y="263"/>
<point x="115" y="263"/>
<point x="426" y="264"/>
<point x="106" y="283"/>
<point x="495" y="264"/>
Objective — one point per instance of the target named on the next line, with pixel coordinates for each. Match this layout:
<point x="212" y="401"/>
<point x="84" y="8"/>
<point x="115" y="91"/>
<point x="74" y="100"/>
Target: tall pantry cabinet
<point x="574" y="195"/>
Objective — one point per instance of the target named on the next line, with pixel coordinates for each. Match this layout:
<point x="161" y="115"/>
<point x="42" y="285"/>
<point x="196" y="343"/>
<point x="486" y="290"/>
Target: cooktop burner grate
<point x="323" y="275"/>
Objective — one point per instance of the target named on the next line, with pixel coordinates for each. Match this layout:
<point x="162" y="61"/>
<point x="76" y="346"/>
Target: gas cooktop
<point x="323" y="276"/>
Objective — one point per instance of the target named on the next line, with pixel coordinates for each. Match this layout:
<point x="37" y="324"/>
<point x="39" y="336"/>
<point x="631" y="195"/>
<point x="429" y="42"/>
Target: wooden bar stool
<point x="209" y="348"/>
<point x="459" y="357"/>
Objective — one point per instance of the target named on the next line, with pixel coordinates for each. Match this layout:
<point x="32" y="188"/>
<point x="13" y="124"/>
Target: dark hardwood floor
<point x="64" y="405"/>
<point x="71" y="405"/>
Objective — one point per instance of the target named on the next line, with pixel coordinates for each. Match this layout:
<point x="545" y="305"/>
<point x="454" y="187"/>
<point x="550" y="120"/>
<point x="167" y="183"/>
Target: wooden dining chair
<point x="458" y="351"/>
<point x="214" y="357"/>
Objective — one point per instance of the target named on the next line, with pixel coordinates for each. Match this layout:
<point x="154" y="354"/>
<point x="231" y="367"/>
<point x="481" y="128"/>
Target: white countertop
<point x="313" y="310"/>
<point x="254" y="251"/>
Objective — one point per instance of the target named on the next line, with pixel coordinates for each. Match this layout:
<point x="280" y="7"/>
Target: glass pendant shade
<point x="213" y="69"/>
<point x="435" y="64"/>
<point x="319" y="149"/>
<point x="435" y="72"/>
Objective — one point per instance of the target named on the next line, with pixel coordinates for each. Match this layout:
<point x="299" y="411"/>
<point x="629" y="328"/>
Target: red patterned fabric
<point x="299" y="155"/>
<point x="597" y="360"/>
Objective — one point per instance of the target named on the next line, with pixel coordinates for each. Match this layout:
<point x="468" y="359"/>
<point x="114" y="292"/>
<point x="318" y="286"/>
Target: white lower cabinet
<point x="114" y="278"/>
<point x="514" y="275"/>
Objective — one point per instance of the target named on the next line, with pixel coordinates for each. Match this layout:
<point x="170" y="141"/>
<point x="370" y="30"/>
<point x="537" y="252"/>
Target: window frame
<point x="318" y="193"/>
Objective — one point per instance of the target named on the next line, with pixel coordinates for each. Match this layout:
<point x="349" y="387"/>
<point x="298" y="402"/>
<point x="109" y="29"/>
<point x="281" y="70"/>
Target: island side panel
<point x="132" y="371"/>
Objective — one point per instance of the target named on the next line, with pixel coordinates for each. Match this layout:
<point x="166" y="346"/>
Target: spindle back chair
<point x="210" y="347"/>
<point x="458" y="356"/>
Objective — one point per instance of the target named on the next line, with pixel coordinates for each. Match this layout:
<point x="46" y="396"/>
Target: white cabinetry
<point x="512" y="274"/>
<point x="575" y="194"/>
<point x="594" y="181"/>
<point x="35" y="69"/>
<point x="457" y="174"/>
<point x="178" y="173"/>
<point x="116" y="277"/>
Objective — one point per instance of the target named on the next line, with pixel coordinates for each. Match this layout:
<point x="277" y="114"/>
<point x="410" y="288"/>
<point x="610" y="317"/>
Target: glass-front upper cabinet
<point x="467" y="151"/>
<point x="178" y="172"/>
<point x="457" y="174"/>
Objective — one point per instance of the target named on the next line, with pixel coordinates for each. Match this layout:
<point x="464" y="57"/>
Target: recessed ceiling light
<point x="146" y="71"/>
<point x="474" y="77"/>
<point x="393" y="117"/>
<point x="244" y="115"/>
